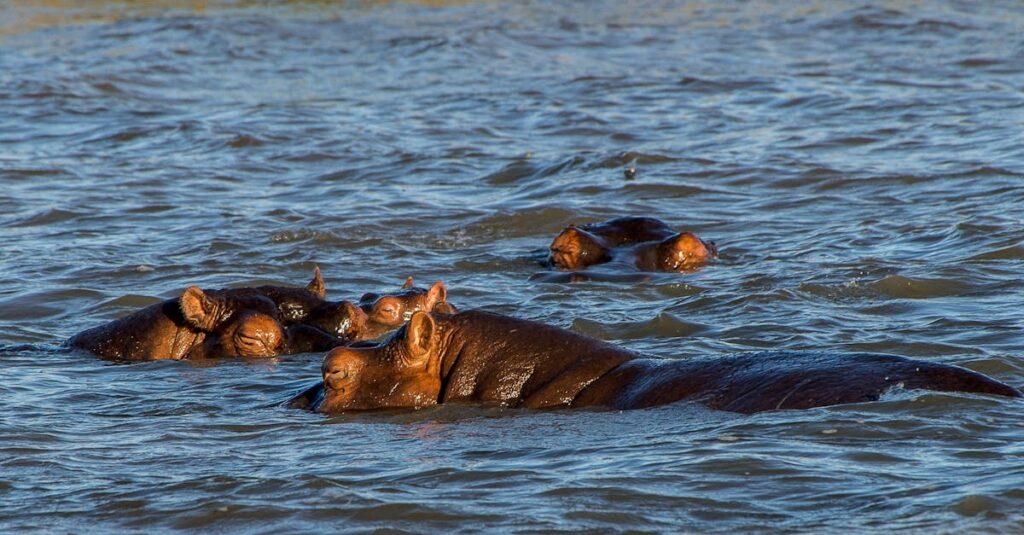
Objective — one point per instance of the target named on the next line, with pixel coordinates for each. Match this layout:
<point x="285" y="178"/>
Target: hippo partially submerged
<point x="480" y="357"/>
<point x="257" y="321"/>
<point x="642" y="243"/>
<point x="389" y="311"/>
<point x="215" y="323"/>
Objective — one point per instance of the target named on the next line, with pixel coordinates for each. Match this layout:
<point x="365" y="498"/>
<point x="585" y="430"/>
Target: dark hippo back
<point x="765" y="381"/>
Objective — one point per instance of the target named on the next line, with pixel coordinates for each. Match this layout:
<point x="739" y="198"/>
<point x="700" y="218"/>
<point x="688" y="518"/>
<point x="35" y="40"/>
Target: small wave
<point x="892" y="286"/>
<point x="623" y="159"/>
<point x="721" y="85"/>
<point x="47" y="217"/>
<point x="241" y="141"/>
<point x="321" y="237"/>
<point x="871" y="18"/>
<point x="1014" y="252"/>
<point x="900" y="287"/>
<point x="977" y="62"/>
<point x="664" y="325"/>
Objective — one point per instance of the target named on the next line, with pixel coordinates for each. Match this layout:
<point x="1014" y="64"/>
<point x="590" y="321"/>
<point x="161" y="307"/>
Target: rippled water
<point x="860" y="167"/>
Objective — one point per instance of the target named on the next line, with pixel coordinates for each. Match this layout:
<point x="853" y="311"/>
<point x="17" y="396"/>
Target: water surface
<point x="860" y="166"/>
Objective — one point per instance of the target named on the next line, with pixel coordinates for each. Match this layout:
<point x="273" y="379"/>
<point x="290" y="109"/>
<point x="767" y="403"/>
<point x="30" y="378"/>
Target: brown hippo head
<point x="342" y="319"/>
<point x="248" y="334"/>
<point x="683" y="252"/>
<point x="209" y="311"/>
<point x="576" y="248"/>
<point x="386" y="312"/>
<point x="294" y="304"/>
<point x="236" y="326"/>
<point x="404" y="372"/>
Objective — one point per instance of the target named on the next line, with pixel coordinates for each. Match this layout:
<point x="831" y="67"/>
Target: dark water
<point x="860" y="166"/>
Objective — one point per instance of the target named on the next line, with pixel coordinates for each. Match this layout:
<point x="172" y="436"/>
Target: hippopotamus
<point x="215" y="323"/>
<point x="642" y="243"/>
<point x="226" y="322"/>
<point x="491" y="359"/>
<point x="309" y="306"/>
<point x="389" y="311"/>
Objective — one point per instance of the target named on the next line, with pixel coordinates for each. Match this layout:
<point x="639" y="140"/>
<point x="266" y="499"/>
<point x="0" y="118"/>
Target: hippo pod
<point x="643" y="243"/>
<point x="479" y="357"/>
<point x="258" y="321"/>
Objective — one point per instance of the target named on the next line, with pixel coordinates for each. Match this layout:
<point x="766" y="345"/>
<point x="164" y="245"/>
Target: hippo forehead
<point x="404" y="294"/>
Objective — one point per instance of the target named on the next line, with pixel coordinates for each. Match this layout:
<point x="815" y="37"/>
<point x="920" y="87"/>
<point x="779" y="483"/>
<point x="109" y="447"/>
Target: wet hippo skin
<point x="642" y="243"/>
<point x="485" y="358"/>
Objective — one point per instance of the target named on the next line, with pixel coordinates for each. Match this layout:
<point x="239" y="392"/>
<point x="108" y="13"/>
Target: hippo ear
<point x="200" y="310"/>
<point x="437" y="294"/>
<point x="683" y="251"/>
<point x="419" y="336"/>
<point x="408" y="284"/>
<point x="684" y="242"/>
<point x="316" y="286"/>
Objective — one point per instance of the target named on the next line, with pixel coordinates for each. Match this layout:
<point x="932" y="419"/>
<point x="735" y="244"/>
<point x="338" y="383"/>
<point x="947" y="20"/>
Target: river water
<point x="859" y="165"/>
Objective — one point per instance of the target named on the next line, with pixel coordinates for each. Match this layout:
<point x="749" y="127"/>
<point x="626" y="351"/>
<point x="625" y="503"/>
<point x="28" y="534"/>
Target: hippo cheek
<point x="338" y="382"/>
<point x="566" y="258"/>
<point x="259" y="337"/>
<point x="264" y="344"/>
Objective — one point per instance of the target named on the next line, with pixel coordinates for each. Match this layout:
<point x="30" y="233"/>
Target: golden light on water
<point x="21" y="16"/>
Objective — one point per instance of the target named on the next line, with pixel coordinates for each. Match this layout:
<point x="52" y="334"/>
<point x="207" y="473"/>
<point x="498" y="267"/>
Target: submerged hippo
<point x="257" y="321"/>
<point x="226" y="322"/>
<point x="308" y="306"/>
<point x="642" y="243"/>
<point x="479" y="357"/>
<point x="389" y="311"/>
<point x="206" y="324"/>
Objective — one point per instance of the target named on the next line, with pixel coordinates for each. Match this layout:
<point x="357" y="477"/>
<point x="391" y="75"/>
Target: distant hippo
<point x="479" y="357"/>
<point x="195" y="324"/>
<point x="642" y="243"/>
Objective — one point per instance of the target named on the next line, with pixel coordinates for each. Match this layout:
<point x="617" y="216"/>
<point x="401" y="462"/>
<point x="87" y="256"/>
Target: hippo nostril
<point x="332" y="379"/>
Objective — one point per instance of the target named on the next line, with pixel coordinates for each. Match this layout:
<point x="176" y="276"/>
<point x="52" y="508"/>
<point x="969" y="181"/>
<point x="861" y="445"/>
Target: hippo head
<point x="389" y="311"/>
<point x="296" y="304"/>
<point x="247" y="334"/>
<point x="245" y="326"/>
<point x="683" y="252"/>
<point x="209" y="311"/>
<point x="404" y="372"/>
<point x="342" y="319"/>
<point x="575" y="249"/>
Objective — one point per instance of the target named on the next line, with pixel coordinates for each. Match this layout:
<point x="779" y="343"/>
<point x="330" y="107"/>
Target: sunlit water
<point x="859" y="166"/>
